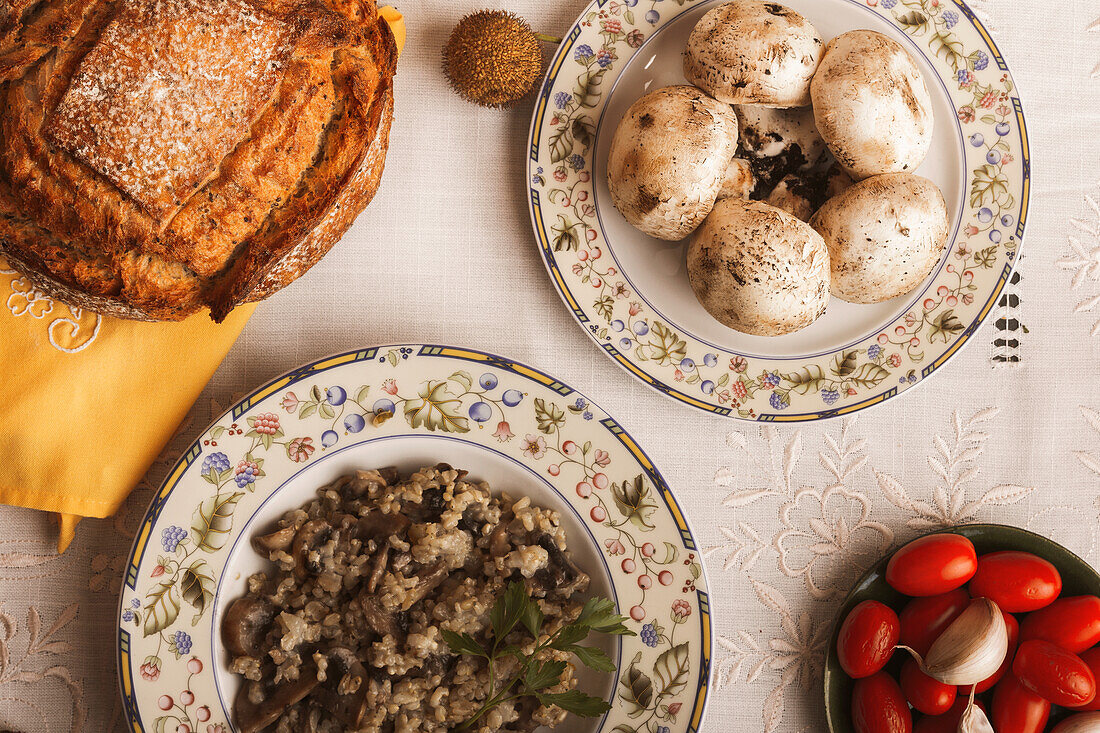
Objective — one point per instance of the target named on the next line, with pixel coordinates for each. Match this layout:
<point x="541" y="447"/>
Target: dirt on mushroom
<point x="668" y="160"/>
<point x="884" y="234"/>
<point x="758" y="269"/>
<point x="752" y="52"/>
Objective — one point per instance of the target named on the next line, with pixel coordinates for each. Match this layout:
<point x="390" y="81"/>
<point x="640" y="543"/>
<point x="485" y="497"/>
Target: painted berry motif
<point x="217" y="462"/>
<point x="150" y="669"/>
<point x="181" y="643"/>
<point x="246" y="473"/>
<point x="265" y="424"/>
<point x="170" y="537"/>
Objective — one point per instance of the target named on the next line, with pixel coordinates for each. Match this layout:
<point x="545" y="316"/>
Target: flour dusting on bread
<point x="170" y="88"/>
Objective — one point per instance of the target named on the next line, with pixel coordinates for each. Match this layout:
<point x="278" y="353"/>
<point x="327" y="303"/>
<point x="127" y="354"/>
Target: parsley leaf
<point x="576" y="702"/>
<point x="533" y="618"/>
<point x="463" y="644"/>
<point x="595" y="608"/>
<point x="542" y="675"/>
<point x="592" y="657"/>
<point x="537" y="669"/>
<point x="568" y="635"/>
<point x="599" y="615"/>
<point x="508" y="610"/>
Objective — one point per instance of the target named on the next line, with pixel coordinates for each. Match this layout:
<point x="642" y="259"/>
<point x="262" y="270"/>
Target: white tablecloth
<point x="788" y="516"/>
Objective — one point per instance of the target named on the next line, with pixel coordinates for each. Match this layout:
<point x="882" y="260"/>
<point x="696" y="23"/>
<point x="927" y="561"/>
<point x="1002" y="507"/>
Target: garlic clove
<point x="1080" y="723"/>
<point x="972" y="648"/>
<point x="973" y="719"/>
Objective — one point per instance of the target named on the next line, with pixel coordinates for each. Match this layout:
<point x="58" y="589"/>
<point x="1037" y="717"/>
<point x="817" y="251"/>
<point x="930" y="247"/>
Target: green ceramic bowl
<point x="1078" y="578"/>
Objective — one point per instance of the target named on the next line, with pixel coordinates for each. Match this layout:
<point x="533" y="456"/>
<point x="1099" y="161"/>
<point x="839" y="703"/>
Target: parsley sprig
<point x="535" y="676"/>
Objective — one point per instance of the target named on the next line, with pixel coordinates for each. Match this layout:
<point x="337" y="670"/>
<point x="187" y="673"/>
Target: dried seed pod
<point x="493" y="58"/>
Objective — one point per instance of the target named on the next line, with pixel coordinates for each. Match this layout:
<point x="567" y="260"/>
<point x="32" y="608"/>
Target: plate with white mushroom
<point x="779" y="212"/>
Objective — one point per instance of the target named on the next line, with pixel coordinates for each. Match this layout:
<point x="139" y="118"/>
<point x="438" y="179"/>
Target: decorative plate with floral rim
<point x="631" y="293"/>
<point x="411" y="406"/>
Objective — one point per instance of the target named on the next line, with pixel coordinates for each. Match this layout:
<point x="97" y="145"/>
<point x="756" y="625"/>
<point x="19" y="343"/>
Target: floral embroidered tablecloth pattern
<point x="787" y="517"/>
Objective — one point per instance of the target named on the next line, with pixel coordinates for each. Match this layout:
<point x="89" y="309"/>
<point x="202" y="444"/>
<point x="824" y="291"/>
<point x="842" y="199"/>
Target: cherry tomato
<point x="867" y="639"/>
<point x="1017" y="709"/>
<point x="1013" y="638"/>
<point x="1081" y="721"/>
<point x="933" y="564"/>
<point x="927" y="695"/>
<point x="1092" y="659"/>
<point x="924" y="619"/>
<point x="1072" y="623"/>
<point x="1053" y="673"/>
<point x="879" y="707"/>
<point x="1018" y="582"/>
<point x="949" y="721"/>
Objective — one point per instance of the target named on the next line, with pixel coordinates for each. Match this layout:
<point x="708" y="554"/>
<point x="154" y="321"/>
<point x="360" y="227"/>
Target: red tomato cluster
<point x="1053" y="658"/>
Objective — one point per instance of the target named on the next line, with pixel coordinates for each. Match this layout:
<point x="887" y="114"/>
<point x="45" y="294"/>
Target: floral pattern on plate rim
<point x="165" y="621"/>
<point x="884" y="363"/>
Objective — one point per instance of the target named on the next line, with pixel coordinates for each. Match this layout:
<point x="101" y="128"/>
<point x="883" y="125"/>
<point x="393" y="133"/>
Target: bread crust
<point x="309" y="162"/>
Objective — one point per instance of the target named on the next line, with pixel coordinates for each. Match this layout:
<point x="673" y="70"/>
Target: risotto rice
<point x="345" y="632"/>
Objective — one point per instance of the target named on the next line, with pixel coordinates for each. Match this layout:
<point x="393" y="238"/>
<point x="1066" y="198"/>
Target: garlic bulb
<point x="972" y="648"/>
<point x="1080" y="723"/>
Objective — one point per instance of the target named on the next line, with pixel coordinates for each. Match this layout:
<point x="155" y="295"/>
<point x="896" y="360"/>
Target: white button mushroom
<point x="758" y="269"/>
<point x="788" y="134"/>
<point x="871" y="105"/>
<point x="884" y="234"/>
<point x="794" y="196"/>
<point x="753" y="52"/>
<point x="778" y="142"/>
<point x="668" y="160"/>
<point x="801" y="194"/>
<point x="739" y="180"/>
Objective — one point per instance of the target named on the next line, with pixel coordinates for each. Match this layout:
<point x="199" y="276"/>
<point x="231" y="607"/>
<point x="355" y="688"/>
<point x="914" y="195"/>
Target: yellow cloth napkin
<point x="87" y="402"/>
<point x="397" y="24"/>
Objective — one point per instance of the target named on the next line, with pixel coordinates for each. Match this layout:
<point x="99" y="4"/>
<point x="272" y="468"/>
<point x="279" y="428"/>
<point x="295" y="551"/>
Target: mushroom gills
<point x="308" y="540"/>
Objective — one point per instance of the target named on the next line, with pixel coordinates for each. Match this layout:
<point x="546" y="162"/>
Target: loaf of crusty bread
<point x="161" y="156"/>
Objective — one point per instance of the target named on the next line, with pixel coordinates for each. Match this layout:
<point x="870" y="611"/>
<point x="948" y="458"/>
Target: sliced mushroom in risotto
<point x="345" y="632"/>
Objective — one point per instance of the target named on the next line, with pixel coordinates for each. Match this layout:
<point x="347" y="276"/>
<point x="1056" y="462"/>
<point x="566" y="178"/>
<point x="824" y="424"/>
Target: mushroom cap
<point x="753" y="52"/>
<point x="871" y="105"/>
<point x="778" y="142"/>
<point x="884" y="234"/>
<point x="739" y="180"/>
<point x="668" y="160"/>
<point x="757" y="269"/>
<point x="790" y="196"/>
<point x="769" y="132"/>
<point x="803" y="192"/>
